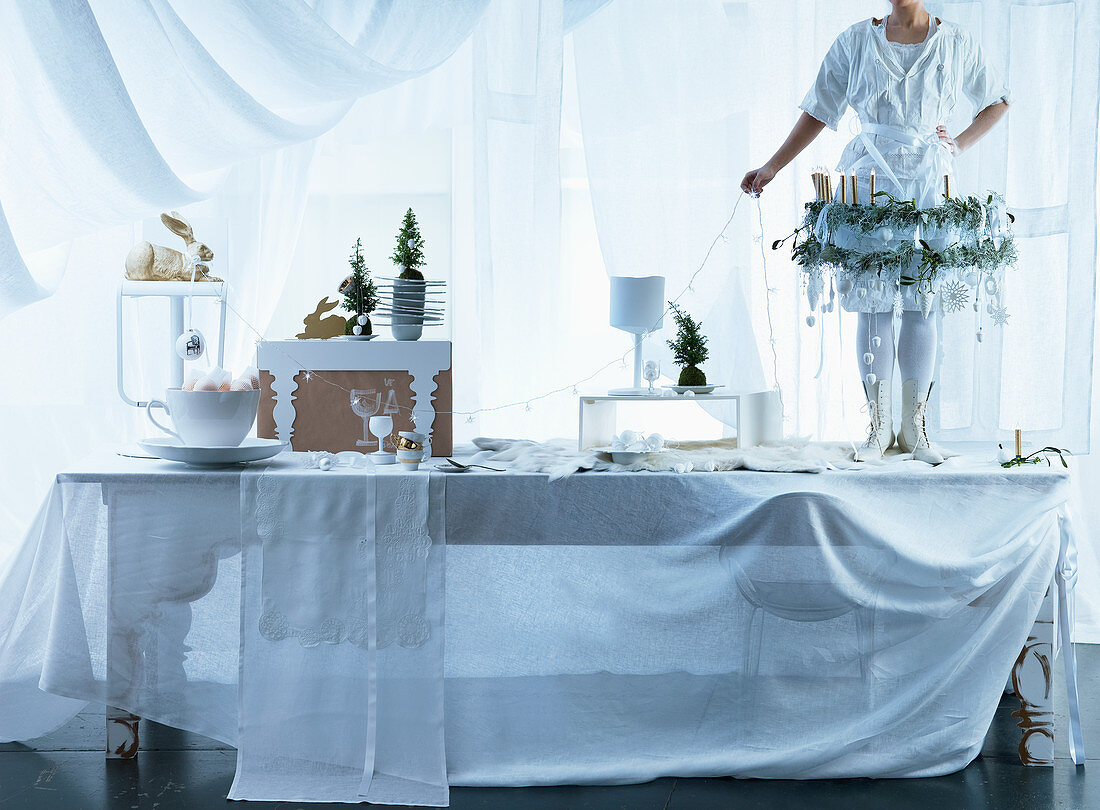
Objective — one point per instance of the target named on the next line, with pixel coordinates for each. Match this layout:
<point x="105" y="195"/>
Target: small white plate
<point x="450" y="468"/>
<point x="696" y="389"/>
<point x="359" y="337"/>
<point x="248" y="450"/>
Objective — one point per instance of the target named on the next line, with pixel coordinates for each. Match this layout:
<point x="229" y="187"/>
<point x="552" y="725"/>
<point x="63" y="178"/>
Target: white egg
<point x="689" y="394"/>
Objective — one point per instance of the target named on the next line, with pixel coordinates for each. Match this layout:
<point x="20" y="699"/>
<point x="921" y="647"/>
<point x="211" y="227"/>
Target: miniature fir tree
<point x="409" y="253"/>
<point x="689" y="348"/>
<point x="360" y="295"/>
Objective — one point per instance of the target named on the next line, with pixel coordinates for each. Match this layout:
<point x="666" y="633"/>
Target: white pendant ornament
<point x="357" y="330"/>
<point x="861" y="293"/>
<point x="191" y="345"/>
<point x="924" y="299"/>
<point x="978" y="335"/>
<point x="876" y="341"/>
<point x="870" y="379"/>
<point x="813" y="295"/>
<point x="868" y="358"/>
<point x="991" y="285"/>
<point x="885" y="234"/>
<point x="361" y="320"/>
<point x="844" y="286"/>
<point x="810" y="320"/>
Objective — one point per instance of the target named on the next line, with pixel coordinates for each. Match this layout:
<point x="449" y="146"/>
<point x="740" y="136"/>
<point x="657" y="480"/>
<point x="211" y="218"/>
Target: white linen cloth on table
<point x="129" y="593"/>
<point x="604" y="628"/>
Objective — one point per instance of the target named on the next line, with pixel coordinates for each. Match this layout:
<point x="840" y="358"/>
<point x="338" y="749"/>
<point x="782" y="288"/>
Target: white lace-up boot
<point x="880" y="435"/>
<point x="913" y="437"/>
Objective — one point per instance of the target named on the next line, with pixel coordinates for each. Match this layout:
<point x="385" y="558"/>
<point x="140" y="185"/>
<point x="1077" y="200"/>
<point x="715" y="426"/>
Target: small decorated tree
<point x="689" y="348"/>
<point x="360" y="295"/>
<point x="409" y="253"/>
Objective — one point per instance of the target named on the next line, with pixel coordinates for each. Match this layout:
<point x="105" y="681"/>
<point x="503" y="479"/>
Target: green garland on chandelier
<point x="964" y="215"/>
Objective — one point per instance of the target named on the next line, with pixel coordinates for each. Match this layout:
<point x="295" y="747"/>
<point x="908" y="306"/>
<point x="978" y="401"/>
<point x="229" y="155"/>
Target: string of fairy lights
<point x="572" y="387"/>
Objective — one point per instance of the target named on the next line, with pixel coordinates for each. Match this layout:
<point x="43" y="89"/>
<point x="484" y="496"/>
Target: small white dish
<point x="359" y="337"/>
<point x="695" y="389"/>
<point x="450" y="468"/>
<point x="627" y="456"/>
<point x="249" y="450"/>
<point x="382" y="457"/>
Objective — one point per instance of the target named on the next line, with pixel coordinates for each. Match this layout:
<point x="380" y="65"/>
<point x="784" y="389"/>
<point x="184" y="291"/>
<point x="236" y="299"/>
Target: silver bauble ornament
<point x="844" y="286"/>
<point x="357" y="330"/>
<point x="325" y="464"/>
<point x="361" y="320"/>
<point x="191" y="345"/>
<point x="868" y="358"/>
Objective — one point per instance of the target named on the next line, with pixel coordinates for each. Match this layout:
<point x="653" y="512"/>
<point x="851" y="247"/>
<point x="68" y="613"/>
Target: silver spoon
<point x="468" y="466"/>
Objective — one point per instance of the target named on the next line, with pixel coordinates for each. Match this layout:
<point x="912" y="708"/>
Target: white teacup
<point x="208" y="418"/>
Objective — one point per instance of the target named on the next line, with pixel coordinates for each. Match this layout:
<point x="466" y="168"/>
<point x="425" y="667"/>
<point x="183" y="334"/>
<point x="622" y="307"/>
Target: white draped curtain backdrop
<point x="545" y="144"/>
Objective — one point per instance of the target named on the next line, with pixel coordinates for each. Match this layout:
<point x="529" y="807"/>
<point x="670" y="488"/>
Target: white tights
<point x="916" y="346"/>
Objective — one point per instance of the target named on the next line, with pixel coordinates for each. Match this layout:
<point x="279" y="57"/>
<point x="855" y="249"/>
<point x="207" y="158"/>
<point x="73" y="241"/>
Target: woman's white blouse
<point x="861" y="71"/>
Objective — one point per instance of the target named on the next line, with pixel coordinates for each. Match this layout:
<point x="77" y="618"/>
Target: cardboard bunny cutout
<point x="149" y="262"/>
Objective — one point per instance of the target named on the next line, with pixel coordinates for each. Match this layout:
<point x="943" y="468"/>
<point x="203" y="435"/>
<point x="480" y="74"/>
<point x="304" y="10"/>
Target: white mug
<point x="207" y="418"/>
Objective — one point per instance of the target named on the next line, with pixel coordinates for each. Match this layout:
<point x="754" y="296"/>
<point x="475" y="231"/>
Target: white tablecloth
<point x="605" y="628"/>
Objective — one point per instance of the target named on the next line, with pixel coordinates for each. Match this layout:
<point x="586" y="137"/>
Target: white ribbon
<point x="1065" y="575"/>
<point x="936" y="160"/>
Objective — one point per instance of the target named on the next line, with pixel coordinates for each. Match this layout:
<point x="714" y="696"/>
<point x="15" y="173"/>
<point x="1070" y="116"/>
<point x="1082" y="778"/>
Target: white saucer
<point x="696" y="389"/>
<point x="248" y="450"/>
<point x="359" y="337"/>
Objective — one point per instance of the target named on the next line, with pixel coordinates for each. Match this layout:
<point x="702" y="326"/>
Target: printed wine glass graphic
<point x="365" y="404"/>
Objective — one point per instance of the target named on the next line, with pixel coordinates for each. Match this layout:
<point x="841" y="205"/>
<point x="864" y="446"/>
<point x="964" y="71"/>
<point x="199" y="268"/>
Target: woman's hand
<point x="946" y="140"/>
<point x="754" y="181"/>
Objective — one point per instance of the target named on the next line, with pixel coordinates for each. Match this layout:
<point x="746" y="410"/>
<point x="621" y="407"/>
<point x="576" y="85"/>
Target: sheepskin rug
<point x="560" y="457"/>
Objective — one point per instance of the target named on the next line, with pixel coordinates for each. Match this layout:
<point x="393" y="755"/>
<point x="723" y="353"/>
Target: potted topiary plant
<point x="360" y="295"/>
<point x="689" y="348"/>
<point x="408" y="288"/>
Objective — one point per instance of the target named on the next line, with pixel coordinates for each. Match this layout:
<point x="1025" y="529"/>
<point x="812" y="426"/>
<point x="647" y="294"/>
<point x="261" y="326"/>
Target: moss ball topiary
<point x="692" y="375"/>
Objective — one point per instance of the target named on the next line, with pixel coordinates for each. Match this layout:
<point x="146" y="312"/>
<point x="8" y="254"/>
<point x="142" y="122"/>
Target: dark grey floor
<point x="176" y="769"/>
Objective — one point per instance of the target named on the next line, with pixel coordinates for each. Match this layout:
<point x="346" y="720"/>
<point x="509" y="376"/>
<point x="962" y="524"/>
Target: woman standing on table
<point x="903" y="75"/>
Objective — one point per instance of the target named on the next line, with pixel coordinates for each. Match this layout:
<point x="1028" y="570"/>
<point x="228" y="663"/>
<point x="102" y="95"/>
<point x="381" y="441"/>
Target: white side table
<point x="758" y="415"/>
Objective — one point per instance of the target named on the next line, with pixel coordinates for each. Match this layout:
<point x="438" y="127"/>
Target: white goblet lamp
<point x="638" y="307"/>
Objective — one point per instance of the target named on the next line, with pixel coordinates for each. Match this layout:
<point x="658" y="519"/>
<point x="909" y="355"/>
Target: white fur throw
<point x="560" y="457"/>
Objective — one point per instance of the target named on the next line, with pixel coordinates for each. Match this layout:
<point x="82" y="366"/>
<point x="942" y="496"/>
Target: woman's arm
<point x="802" y="135"/>
<point x="982" y="123"/>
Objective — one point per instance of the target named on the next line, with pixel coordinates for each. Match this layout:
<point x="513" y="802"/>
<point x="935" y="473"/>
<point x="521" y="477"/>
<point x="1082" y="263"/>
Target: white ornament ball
<point x="191" y="345"/>
<point x="885" y="234"/>
<point x="844" y="286"/>
<point x="810" y="320"/>
<point x="871" y="379"/>
<point x="868" y="358"/>
<point x="668" y="392"/>
<point x="1003" y="455"/>
<point x="325" y="464"/>
<point x="628" y="436"/>
<point x="861" y="293"/>
<point x="876" y="341"/>
<point x="357" y="330"/>
<point x="689" y="394"/>
<point x="361" y="320"/>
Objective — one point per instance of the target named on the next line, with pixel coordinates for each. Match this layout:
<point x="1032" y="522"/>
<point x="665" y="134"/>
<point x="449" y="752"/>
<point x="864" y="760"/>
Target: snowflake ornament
<point x="955" y="296"/>
<point x="1000" y="315"/>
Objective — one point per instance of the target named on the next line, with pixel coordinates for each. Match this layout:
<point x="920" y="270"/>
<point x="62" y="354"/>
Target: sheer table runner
<point x="341" y="670"/>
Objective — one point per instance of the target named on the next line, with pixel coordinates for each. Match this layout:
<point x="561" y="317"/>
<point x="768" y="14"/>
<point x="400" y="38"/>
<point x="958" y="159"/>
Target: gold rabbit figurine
<point x="318" y="327"/>
<point x="149" y="262"/>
